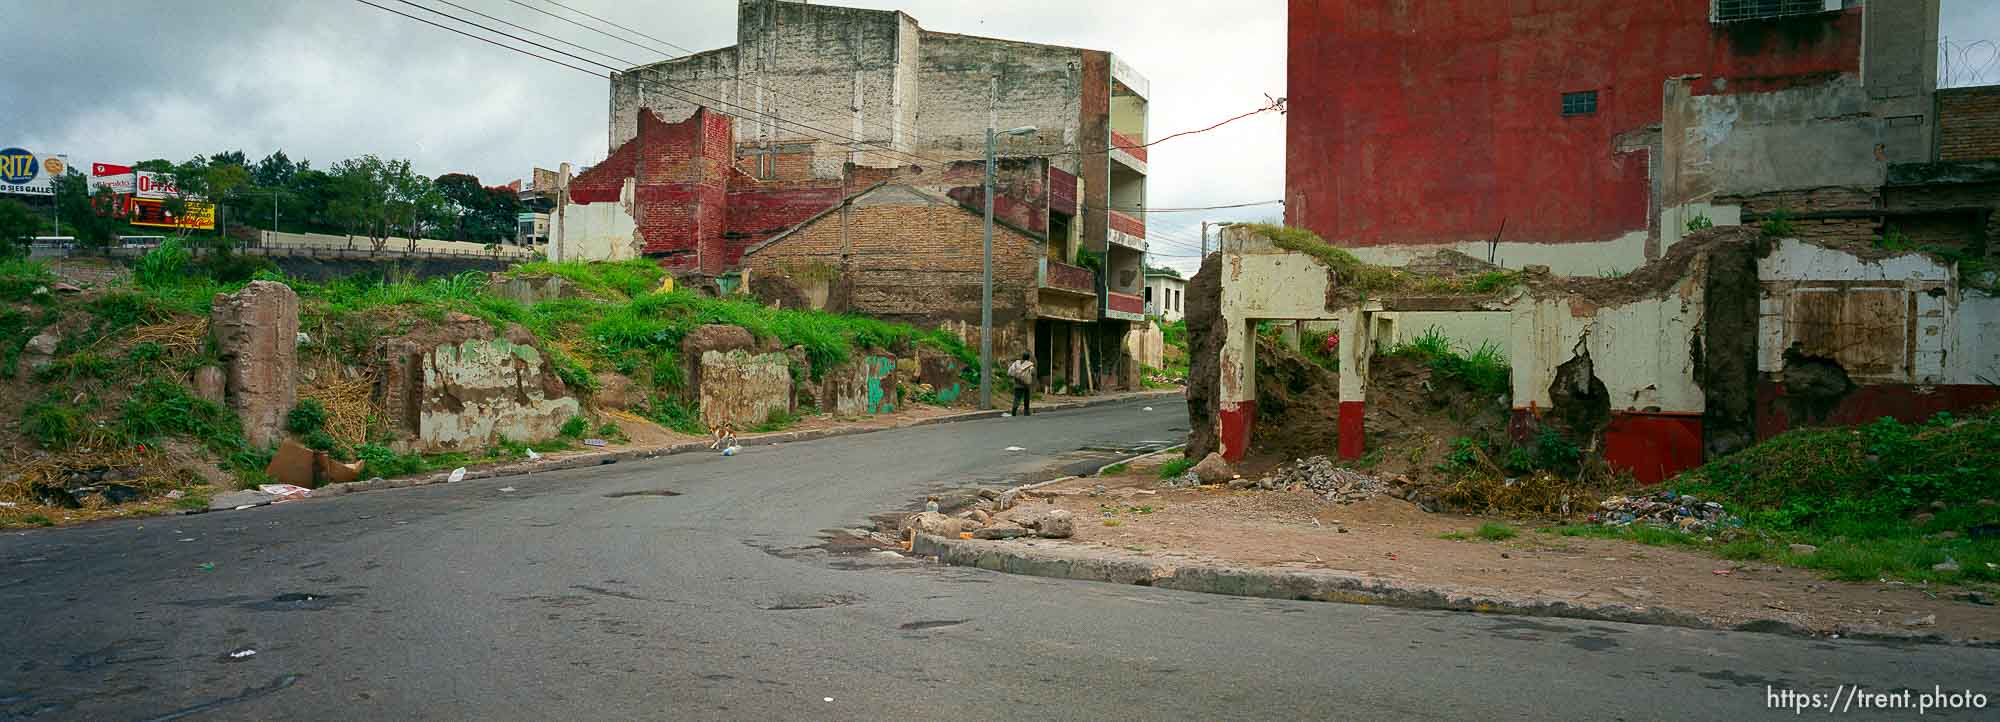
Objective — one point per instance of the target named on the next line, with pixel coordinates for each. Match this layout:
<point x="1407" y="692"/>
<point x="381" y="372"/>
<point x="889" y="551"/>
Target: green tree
<point x="359" y="199"/>
<point x="18" y="226"/>
<point x="89" y="217"/>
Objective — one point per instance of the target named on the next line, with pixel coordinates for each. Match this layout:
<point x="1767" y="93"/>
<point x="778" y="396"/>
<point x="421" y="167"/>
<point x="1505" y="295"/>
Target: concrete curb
<point x="1063" y="561"/>
<point x="600" y="458"/>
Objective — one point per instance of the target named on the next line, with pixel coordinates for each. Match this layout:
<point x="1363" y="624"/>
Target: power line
<point x="1277" y="104"/>
<point x="1128" y="209"/>
<point x="774" y="119"/>
<point x="483" y="40"/>
<point x="532" y="30"/>
<point x="893" y="127"/>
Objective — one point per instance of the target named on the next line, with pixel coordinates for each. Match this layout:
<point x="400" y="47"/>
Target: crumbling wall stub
<point x="596" y="231"/>
<point x="1206" y="335"/>
<point x="256" y="333"/>
<point x="1726" y="356"/>
<point x="742" y="389"/>
<point x="479" y="390"/>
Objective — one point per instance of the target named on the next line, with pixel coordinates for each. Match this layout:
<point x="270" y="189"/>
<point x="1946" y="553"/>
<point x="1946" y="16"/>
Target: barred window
<point x="1580" y="103"/>
<point x="1726" y="10"/>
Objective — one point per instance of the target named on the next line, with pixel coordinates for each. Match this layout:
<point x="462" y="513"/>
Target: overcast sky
<point x="330" y="79"/>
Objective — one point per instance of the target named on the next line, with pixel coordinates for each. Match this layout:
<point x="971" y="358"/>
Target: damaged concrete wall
<point x="742" y="389"/>
<point x="256" y="331"/>
<point x="595" y="231"/>
<point x="461" y="386"/>
<point x="1848" y="336"/>
<point x="482" y="389"/>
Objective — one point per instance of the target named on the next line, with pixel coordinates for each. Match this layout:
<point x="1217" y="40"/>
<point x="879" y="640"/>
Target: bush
<point x="1175" y="468"/>
<point x="575" y="427"/>
<point x="159" y="408"/>
<point x="165" y="265"/>
<point x="19" y="277"/>
<point x="53" y="424"/>
<point x="306" y="417"/>
<point x="1485" y="369"/>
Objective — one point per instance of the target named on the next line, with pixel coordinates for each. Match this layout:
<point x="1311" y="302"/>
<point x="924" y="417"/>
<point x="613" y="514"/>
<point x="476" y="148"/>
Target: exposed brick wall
<point x="1968" y="123"/>
<point x="913" y="258"/>
<point x="761" y="209"/>
<point x="683" y="171"/>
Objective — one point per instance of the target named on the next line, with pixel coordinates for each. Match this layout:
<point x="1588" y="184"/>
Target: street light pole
<point x="986" y="275"/>
<point x="986" y="285"/>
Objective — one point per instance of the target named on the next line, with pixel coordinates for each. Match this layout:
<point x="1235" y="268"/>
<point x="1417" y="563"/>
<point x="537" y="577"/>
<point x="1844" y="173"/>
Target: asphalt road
<point x="571" y="598"/>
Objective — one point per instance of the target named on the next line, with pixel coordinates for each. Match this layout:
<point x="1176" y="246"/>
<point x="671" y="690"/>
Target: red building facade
<point x="1464" y="120"/>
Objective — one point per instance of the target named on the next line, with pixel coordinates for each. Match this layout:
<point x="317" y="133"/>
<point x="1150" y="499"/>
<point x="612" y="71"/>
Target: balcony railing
<point x="1065" y="277"/>
<point x="1125" y="303"/>
<point x="1130" y="145"/>
<point x="1127" y="225"/>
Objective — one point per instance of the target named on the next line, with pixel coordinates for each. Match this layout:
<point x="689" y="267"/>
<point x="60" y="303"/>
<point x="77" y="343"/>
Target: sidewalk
<point x="1383" y="550"/>
<point x="557" y="461"/>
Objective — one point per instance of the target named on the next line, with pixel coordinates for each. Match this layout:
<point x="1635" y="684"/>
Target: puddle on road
<point x="641" y="492"/>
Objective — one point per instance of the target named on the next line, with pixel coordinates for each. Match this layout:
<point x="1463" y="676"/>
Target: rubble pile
<point x="1665" y="509"/>
<point x="1319" y="475"/>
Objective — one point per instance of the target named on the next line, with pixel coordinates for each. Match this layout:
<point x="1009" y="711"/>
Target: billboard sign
<point x="152" y="212"/>
<point x="28" y="173"/>
<point x="116" y="177"/>
<point x="148" y="184"/>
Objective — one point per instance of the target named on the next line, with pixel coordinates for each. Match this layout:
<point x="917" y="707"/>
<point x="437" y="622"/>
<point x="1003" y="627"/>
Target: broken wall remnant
<point x="256" y="333"/>
<point x="463" y="385"/>
<point x="1848" y="335"/>
<point x="743" y="389"/>
<point x="1205" y="338"/>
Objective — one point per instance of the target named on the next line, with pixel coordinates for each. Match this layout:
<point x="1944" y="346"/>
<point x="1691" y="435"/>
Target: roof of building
<point x="886" y="193"/>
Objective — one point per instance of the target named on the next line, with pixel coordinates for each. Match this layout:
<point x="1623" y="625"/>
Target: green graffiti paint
<point x="879" y="369"/>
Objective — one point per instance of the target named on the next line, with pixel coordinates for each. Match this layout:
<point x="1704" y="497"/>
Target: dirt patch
<point x="1205" y="336"/>
<point x="1298" y="403"/>
<point x="1412" y="417"/>
<point x="1393" y="539"/>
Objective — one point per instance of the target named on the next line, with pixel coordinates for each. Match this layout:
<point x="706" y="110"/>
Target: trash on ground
<point x="457" y="475"/>
<point x="532" y="456"/>
<point x="1665" y="509"/>
<point x="732" y="450"/>
<point x="1149" y="408"/>
<point x="241" y="653"/>
<point x="593" y="442"/>
<point x="1015" y="448"/>
<point x="507" y="488"/>
<point x="175" y="494"/>
<point x="285" y="491"/>
<point x="206" y="566"/>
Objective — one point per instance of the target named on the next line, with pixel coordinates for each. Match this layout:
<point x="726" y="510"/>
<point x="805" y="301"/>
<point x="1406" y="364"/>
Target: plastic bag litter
<point x="532" y="456"/>
<point x="731" y="451"/>
<point x="593" y="442"/>
<point x="1015" y="448"/>
<point x="457" y="475"/>
<point x="1149" y="408"/>
<point x="241" y="653"/>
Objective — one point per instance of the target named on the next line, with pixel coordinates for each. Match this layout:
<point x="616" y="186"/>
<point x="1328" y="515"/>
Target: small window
<point x="1727" y="10"/>
<point x="1581" y="103"/>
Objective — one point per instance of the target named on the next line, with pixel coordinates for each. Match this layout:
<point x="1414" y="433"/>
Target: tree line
<point x="367" y="197"/>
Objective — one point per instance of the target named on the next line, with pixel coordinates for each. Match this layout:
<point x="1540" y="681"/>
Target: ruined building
<point x="766" y="155"/>
<point x="1587" y="135"/>
<point x="1735" y="217"/>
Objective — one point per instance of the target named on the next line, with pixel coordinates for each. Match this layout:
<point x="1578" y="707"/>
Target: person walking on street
<point x="1022" y="371"/>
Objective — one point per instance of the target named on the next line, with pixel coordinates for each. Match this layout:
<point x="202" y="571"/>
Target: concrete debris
<point x="1213" y="470"/>
<point x="931" y="523"/>
<point x="1948" y="566"/>
<point x="1665" y="509"/>
<point x="1056" y="524"/>
<point x="39" y="353"/>
<point x="1187" y="478"/>
<point x="1320" y="476"/>
<point x="1921" y="621"/>
<point x="1002" y="532"/>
